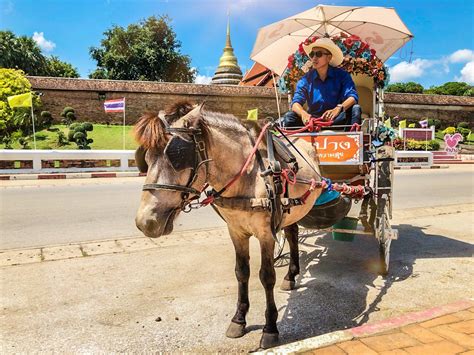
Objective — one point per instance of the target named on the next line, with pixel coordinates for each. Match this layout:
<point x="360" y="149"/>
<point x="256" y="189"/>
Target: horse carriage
<point x="188" y="150"/>
<point x="347" y="155"/>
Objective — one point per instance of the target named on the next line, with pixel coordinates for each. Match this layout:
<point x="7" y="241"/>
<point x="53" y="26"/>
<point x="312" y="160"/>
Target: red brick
<point x="421" y="334"/>
<point x="329" y="350"/>
<point x="389" y="341"/>
<point x="394" y="352"/>
<point x="466" y="326"/>
<point x="462" y="339"/>
<point x="355" y="347"/>
<point x="442" y="347"/>
<point x="440" y="321"/>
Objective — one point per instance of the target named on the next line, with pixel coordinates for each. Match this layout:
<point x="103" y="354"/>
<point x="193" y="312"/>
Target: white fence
<point x="413" y="158"/>
<point x="40" y="161"/>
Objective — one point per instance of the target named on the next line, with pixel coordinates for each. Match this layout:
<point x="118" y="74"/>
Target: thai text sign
<point x="337" y="148"/>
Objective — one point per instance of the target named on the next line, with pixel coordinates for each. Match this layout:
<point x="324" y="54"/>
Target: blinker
<point x="181" y="153"/>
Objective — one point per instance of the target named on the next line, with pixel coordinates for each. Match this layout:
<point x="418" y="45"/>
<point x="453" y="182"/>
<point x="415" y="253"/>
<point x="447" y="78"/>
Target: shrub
<point x="434" y="122"/>
<point x="463" y="125"/>
<point x="464" y="131"/>
<point x="412" y="125"/>
<point x="68" y="115"/>
<point x="450" y="130"/>
<point x="78" y="134"/>
<point x="411" y="144"/>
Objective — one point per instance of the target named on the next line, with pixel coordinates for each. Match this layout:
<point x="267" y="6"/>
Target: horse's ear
<point x="150" y="131"/>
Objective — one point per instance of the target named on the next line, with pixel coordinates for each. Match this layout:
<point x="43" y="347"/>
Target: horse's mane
<point x="149" y="130"/>
<point x="150" y="133"/>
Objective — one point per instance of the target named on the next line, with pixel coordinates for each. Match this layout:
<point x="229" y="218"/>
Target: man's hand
<point x="305" y="117"/>
<point x="331" y="114"/>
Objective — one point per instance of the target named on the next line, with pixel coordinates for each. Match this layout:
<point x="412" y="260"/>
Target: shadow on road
<point x="336" y="278"/>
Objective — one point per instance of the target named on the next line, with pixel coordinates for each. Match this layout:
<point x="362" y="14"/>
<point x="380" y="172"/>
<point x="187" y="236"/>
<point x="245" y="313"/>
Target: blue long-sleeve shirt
<point x="324" y="95"/>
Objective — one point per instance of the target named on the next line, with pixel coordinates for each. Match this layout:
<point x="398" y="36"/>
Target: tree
<point x="452" y="88"/>
<point x="148" y="50"/>
<point x="15" y="124"/>
<point x="410" y="87"/>
<point x="23" y="53"/>
<point x="58" y="68"/>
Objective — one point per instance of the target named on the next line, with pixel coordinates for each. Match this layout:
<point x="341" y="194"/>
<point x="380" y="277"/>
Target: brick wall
<point x="86" y="96"/>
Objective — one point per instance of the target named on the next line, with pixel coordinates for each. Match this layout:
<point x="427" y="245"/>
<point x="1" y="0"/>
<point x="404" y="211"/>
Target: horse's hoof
<point x="235" y="330"/>
<point x="287" y="285"/>
<point x="268" y="340"/>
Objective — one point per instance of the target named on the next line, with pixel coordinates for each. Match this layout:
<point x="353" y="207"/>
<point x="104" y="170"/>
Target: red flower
<point x="373" y="51"/>
<point x="314" y="39"/>
<point x="344" y="35"/>
<point x="306" y="42"/>
<point x="355" y="38"/>
<point x="349" y="42"/>
<point x="291" y="58"/>
<point x="290" y="65"/>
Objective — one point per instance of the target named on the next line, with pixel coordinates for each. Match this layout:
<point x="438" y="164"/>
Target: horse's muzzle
<point x="153" y="226"/>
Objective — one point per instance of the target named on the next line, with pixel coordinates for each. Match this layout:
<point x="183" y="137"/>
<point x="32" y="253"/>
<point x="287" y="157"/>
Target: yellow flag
<point x="403" y="124"/>
<point x="252" y="115"/>
<point x="387" y="123"/>
<point x="23" y="100"/>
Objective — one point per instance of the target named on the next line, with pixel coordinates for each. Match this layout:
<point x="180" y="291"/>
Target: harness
<point x="182" y="154"/>
<point x="191" y="153"/>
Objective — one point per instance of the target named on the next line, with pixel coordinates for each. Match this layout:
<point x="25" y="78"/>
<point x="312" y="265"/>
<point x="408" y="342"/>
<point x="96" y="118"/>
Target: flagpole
<point x="33" y="120"/>
<point x="123" y="128"/>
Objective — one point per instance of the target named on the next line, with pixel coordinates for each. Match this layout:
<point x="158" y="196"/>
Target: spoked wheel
<point x="384" y="237"/>
<point x="279" y="245"/>
<point x="383" y="204"/>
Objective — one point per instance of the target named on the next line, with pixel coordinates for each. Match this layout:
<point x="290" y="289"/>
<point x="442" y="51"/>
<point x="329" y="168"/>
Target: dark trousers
<point x="351" y="116"/>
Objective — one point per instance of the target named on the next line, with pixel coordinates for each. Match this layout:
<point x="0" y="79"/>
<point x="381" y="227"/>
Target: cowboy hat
<point x="329" y="45"/>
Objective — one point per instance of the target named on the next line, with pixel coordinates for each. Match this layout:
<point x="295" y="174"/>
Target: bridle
<point x="197" y="146"/>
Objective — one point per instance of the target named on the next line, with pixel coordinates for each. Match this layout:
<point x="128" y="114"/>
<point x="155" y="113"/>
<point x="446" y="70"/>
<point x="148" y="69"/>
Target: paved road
<point x="38" y="213"/>
<point x="178" y="294"/>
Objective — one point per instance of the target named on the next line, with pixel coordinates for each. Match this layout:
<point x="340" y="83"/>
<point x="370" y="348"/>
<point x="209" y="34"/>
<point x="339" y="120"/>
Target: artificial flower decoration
<point x="359" y="58"/>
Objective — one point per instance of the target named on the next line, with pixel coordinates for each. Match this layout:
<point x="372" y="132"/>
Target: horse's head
<point x="168" y="154"/>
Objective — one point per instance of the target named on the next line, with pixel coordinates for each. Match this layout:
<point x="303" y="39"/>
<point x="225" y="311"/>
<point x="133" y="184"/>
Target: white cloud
<point x="203" y="79"/>
<point x="467" y="73"/>
<point x="42" y="42"/>
<point x="462" y="56"/>
<point x="405" y="71"/>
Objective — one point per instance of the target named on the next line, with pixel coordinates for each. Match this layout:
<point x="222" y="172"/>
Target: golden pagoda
<point x="228" y="72"/>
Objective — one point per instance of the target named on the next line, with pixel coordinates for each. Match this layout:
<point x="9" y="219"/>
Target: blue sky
<point x="442" y="48"/>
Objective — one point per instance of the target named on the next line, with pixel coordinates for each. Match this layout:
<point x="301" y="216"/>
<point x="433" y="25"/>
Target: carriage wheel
<point x="279" y="245"/>
<point x="384" y="237"/>
<point x="383" y="203"/>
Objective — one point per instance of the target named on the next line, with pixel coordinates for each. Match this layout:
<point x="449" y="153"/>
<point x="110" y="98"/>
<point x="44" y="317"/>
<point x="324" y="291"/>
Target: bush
<point x="412" y="125"/>
<point x="68" y="115"/>
<point x="464" y="131"/>
<point x="66" y="110"/>
<point x="450" y="130"/>
<point x="463" y="125"/>
<point x="78" y="134"/>
<point x="434" y="122"/>
<point x="410" y="144"/>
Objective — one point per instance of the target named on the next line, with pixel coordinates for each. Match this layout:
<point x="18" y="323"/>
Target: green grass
<point x="105" y="137"/>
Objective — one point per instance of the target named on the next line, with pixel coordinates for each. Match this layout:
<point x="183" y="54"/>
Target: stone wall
<point x="453" y="109"/>
<point x="87" y="97"/>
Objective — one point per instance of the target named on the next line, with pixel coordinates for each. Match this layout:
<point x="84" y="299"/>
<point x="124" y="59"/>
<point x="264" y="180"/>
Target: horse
<point x="224" y="144"/>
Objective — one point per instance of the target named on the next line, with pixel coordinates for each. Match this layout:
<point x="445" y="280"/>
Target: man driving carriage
<point x="328" y="91"/>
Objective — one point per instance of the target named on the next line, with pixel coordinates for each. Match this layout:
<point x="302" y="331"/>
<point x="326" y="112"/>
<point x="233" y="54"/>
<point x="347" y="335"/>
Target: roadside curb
<point x="422" y="167"/>
<point x="369" y="329"/>
<point x="106" y="174"/>
<point x="56" y="176"/>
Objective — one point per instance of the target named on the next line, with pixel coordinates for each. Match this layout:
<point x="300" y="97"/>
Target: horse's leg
<point x="291" y="234"/>
<point x="267" y="277"/>
<point x="242" y="272"/>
